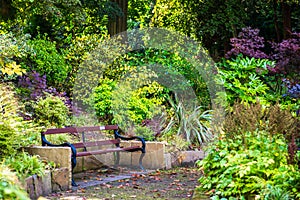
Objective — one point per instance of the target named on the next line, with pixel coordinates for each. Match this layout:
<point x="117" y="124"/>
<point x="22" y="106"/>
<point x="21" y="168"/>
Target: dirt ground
<point x="178" y="183"/>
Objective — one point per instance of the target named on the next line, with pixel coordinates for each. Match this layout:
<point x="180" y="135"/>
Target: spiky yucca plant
<point x="193" y="125"/>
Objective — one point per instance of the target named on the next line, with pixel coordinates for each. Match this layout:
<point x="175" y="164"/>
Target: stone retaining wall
<point x="153" y="159"/>
<point x="52" y="181"/>
<point x="56" y="180"/>
<point x="60" y="179"/>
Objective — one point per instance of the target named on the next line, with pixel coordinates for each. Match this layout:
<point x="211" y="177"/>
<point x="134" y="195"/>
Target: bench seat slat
<point x="87" y="153"/>
<point x="96" y="143"/>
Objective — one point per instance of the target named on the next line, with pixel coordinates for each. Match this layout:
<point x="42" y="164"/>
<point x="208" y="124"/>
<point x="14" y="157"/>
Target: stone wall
<point x="52" y="181"/>
<point x="153" y="159"/>
<point x="60" y="179"/>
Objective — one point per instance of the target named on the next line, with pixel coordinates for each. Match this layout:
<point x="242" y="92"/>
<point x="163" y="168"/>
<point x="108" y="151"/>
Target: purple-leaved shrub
<point x="248" y="43"/>
<point x="34" y="86"/>
<point x="286" y="54"/>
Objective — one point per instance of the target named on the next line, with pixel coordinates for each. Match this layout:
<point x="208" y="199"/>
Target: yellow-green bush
<point x="10" y="122"/>
<point x="14" y="131"/>
<point x="51" y="112"/>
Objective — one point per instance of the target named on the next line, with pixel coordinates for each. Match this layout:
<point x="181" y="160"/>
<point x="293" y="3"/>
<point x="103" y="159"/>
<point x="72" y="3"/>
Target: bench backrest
<point x="80" y="129"/>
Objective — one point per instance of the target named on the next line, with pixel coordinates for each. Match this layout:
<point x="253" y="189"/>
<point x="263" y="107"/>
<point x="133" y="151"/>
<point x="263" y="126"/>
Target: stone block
<point x="125" y="157"/>
<point x="79" y="165"/>
<point x="59" y="155"/>
<point x="92" y="162"/>
<point x="30" y="187"/>
<point x="38" y="184"/>
<point x="97" y="160"/>
<point x="168" y="164"/>
<point x="106" y="159"/>
<point x="109" y="158"/>
<point x="135" y="156"/>
<point x="188" y="158"/>
<point x="46" y="183"/>
<point x="61" y="179"/>
<point x="175" y="158"/>
<point x="154" y="157"/>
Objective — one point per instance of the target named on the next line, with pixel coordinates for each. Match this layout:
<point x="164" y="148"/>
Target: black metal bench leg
<point x="74" y="162"/>
<point x="141" y="161"/>
<point x="73" y="166"/>
<point x="73" y="182"/>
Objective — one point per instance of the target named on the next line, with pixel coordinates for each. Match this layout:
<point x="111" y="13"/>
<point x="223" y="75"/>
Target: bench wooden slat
<point x="80" y="129"/>
<point x="96" y="143"/>
<point x="87" y="153"/>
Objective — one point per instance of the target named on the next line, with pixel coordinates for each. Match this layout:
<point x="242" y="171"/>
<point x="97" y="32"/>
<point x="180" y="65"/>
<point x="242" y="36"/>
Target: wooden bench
<point x="79" y="149"/>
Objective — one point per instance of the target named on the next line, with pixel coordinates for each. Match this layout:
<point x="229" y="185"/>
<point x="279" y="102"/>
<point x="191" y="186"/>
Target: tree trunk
<point x="6" y="10"/>
<point x="286" y="20"/>
<point x="119" y="24"/>
<point x="275" y="17"/>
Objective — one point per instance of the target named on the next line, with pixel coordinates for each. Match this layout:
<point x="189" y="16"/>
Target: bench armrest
<point x="142" y="140"/>
<point x="45" y="142"/>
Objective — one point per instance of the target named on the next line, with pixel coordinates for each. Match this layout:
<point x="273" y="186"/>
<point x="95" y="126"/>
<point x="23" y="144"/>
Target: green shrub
<point x="25" y="165"/>
<point x="172" y="71"/>
<point x="244" y="118"/>
<point x="9" y="107"/>
<point x="139" y="12"/>
<point x="144" y="132"/>
<point x="7" y="140"/>
<point x="51" y="112"/>
<point x="10" y="187"/>
<point x="144" y="102"/>
<point x="102" y="98"/>
<point x="84" y="119"/>
<point x="274" y="193"/>
<point x="78" y="50"/>
<point x="175" y="142"/>
<point x="247" y="165"/>
<point x="47" y="60"/>
<point x="136" y="98"/>
<point x="244" y="80"/>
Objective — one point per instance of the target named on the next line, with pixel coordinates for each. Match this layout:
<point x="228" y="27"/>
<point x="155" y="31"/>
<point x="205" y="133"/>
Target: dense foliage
<point x="252" y="155"/>
<point x="219" y="21"/>
<point x="45" y="59"/>
<point x="50" y="55"/>
<point x="14" y="131"/>
<point x="26" y="165"/>
<point x="279" y="75"/>
<point x="246" y="165"/>
<point x="244" y="78"/>
<point x="51" y="112"/>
